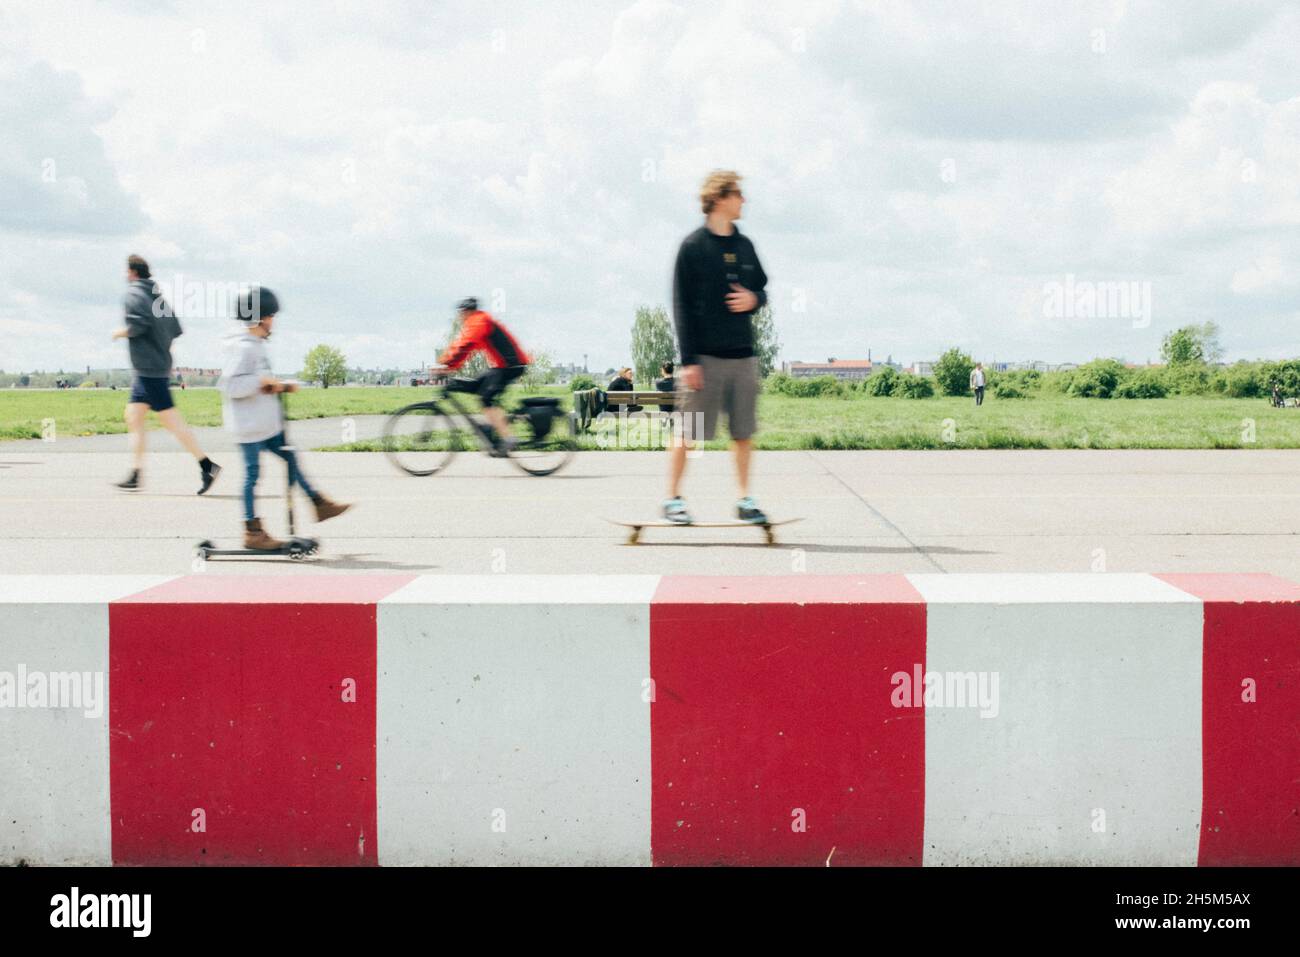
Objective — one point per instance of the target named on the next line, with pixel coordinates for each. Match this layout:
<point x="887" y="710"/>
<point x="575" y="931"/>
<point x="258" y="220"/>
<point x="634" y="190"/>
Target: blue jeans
<point x="252" y="453"/>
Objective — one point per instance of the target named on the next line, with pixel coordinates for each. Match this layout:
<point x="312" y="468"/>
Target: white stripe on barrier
<point x="74" y="589"/>
<point x="54" y="796"/>
<point x="513" y="721"/>
<point x="1046" y="588"/>
<point x="1094" y="756"/>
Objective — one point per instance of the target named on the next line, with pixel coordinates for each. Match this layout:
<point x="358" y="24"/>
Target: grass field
<point x="857" y="422"/>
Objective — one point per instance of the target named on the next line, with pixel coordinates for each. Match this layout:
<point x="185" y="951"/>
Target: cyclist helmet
<point x="255" y="303"/>
<point x="467" y="305"/>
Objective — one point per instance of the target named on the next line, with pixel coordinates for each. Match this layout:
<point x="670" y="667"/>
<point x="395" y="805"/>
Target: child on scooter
<point x="252" y="410"/>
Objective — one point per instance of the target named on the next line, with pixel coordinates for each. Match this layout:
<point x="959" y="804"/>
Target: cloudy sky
<point x="917" y="174"/>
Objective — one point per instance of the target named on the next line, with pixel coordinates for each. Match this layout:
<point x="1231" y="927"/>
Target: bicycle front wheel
<point x="542" y="454"/>
<point x="421" y="439"/>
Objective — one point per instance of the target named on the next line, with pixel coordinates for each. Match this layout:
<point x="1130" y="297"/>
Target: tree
<point x="653" y="342"/>
<point x="766" y="343"/>
<point x="952" y="372"/>
<point x="326" y="365"/>
<point x="539" y="372"/>
<point x="1195" y="343"/>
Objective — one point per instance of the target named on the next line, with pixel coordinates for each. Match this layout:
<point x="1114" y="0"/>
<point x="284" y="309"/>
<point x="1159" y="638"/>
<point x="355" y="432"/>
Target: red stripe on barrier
<point x="772" y="709"/>
<point x="1251" y="749"/>
<point x="239" y="710"/>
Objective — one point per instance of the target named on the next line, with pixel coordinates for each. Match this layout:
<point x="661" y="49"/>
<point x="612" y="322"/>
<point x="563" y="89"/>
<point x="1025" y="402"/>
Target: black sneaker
<point x="131" y="483"/>
<point x="502" y="448"/>
<point x="675" y="512"/>
<point x="747" y="510"/>
<point x="209" y="476"/>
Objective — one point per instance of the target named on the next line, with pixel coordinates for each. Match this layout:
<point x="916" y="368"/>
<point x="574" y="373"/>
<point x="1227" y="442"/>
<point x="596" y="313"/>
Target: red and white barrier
<point x="329" y="719"/>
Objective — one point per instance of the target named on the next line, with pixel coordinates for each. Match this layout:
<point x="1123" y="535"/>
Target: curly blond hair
<point x="719" y="183"/>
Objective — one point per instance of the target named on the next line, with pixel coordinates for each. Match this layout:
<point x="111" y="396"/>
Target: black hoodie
<point x="707" y="265"/>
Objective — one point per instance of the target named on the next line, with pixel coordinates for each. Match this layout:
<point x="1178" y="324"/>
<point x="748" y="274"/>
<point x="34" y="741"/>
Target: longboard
<point x="635" y="535"/>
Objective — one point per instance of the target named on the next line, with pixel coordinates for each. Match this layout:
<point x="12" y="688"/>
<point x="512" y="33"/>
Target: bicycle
<point x="421" y="439"/>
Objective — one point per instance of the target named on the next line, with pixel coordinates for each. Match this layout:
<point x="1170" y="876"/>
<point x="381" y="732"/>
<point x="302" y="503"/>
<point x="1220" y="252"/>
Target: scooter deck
<point x="295" y="548"/>
<point x="635" y="535"/>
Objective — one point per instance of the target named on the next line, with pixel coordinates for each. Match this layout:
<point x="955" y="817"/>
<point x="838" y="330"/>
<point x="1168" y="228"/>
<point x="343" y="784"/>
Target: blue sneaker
<point x="747" y="510"/>
<point x="675" y="512"/>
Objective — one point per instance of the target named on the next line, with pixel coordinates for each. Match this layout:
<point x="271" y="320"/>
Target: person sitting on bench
<point x="665" y="384"/>
<point x="623" y="383"/>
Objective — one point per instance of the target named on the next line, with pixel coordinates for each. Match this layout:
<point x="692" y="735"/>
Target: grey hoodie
<point x="151" y="326"/>
<point x="251" y="414"/>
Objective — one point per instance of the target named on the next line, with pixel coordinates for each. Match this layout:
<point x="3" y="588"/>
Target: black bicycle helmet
<point x="255" y="304"/>
<point x="467" y="305"/>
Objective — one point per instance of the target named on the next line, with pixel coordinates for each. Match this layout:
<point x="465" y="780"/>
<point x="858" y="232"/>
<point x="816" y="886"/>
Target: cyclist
<point x="508" y="361"/>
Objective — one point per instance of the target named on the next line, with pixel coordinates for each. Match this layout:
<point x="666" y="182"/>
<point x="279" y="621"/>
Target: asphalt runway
<point x="923" y="511"/>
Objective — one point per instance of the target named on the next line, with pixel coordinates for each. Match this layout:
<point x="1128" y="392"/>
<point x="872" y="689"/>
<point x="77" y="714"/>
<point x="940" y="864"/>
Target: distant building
<point x="846" y="369"/>
<point x="921" y="368"/>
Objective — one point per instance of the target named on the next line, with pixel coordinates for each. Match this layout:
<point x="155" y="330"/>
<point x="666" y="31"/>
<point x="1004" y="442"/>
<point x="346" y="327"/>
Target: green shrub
<point x="1096" y="379"/>
<point x="1016" y="384"/>
<point x="824" y="385"/>
<point x="1143" y="384"/>
<point x="880" y="383"/>
<point x="910" y="386"/>
<point x="1245" y="380"/>
<point x="1187" y="378"/>
<point x="1058" y="382"/>
<point x="580" y="383"/>
<point x="1285" y="373"/>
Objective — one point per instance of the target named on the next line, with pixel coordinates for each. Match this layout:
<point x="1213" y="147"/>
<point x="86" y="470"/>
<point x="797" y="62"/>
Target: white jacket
<point x="251" y="414"/>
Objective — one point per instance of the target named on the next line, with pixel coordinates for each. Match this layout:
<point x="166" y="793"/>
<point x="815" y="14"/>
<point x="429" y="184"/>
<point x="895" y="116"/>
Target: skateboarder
<point x="718" y="283"/>
<point x="151" y="325"/>
<point x="252" y="411"/>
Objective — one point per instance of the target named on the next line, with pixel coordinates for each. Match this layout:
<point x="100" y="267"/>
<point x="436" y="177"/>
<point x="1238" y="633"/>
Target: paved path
<point x="922" y="511"/>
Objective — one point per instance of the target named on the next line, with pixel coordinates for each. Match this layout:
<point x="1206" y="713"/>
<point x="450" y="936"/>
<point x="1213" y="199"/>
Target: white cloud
<point x="374" y="164"/>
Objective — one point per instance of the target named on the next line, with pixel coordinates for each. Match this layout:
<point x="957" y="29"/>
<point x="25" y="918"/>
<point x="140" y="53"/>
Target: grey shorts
<point x="731" y="385"/>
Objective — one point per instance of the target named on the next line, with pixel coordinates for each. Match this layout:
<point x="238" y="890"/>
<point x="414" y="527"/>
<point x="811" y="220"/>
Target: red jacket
<point x="481" y="331"/>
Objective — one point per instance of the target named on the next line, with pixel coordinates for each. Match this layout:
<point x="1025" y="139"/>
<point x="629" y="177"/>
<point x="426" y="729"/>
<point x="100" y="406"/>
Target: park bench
<point x="587" y="402"/>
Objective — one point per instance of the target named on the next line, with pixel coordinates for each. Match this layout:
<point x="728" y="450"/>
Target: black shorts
<point x="493" y="382"/>
<point x="153" y="392"/>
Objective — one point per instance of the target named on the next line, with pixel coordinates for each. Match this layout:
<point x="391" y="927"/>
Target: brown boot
<point x="327" y="509"/>
<point x="255" y="537"/>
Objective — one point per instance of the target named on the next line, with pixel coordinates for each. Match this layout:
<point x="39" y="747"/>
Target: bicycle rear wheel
<point x="421" y="439"/>
<point x="542" y="455"/>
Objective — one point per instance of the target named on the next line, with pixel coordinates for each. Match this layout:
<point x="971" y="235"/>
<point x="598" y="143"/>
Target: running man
<point x="508" y="361"/>
<point x="151" y="325"/>
<point x="253" y="412"/>
<point x="718" y="283"/>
